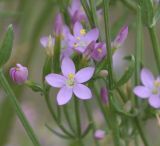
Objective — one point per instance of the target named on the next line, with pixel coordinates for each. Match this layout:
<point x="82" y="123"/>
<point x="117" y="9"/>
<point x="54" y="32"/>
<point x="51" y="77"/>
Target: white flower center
<point x="70" y="80"/>
<point x="155" y="90"/>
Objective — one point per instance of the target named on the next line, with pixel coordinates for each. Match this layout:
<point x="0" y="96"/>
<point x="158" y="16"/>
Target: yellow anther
<point x="82" y="31"/>
<point x="70" y="76"/>
<point x="99" y="50"/>
<point x="157" y="84"/>
<point x="155" y="91"/>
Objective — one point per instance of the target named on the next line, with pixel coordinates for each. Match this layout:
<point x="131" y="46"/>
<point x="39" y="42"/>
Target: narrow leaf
<point x="6" y="46"/>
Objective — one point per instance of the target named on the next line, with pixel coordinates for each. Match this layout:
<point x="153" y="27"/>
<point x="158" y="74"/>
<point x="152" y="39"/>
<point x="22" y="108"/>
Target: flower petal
<point x="67" y="66"/>
<point x="55" y="80"/>
<point x="92" y="35"/>
<point x="142" y="91"/>
<point x="77" y="27"/>
<point x="147" y="77"/>
<point x="154" y="101"/>
<point x="82" y="91"/>
<point x="44" y="41"/>
<point x="84" y="74"/>
<point x="64" y="95"/>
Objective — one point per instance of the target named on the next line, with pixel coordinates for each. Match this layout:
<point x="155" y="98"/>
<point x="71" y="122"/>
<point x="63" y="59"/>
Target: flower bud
<point x="48" y="44"/>
<point x="104" y="95"/>
<point x="99" y="134"/>
<point x="121" y="37"/>
<point x="103" y="73"/>
<point x="19" y="74"/>
<point x="58" y="25"/>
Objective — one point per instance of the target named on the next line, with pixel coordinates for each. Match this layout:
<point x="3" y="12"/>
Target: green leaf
<point x="129" y="72"/>
<point x="6" y="46"/>
<point x="34" y="86"/>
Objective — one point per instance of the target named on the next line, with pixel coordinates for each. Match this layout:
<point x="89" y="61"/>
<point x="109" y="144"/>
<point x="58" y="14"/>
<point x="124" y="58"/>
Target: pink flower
<point x="121" y="37"/>
<point x="99" y="134"/>
<point x="58" y="25"/>
<point x="104" y="95"/>
<point x="76" y="12"/>
<point x="71" y="82"/>
<point x="80" y="38"/>
<point x="150" y="89"/>
<point x="19" y="74"/>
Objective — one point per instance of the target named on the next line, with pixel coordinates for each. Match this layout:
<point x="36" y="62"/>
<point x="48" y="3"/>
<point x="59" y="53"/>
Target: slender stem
<point x="18" y="109"/>
<point x="70" y="124"/>
<point x="90" y="118"/>
<point x="77" y="115"/>
<point x="54" y="116"/>
<point x="155" y="44"/>
<point x="141" y="132"/>
<point x="111" y="112"/>
<point x="130" y="4"/>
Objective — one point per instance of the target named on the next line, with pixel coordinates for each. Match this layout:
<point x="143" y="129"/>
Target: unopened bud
<point x="103" y="73"/>
<point x="58" y="25"/>
<point x="19" y="74"/>
<point x="48" y="44"/>
<point x="104" y="95"/>
<point x="99" y="134"/>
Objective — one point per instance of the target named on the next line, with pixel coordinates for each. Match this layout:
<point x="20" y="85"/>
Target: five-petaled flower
<point x="150" y="88"/>
<point x="80" y="38"/>
<point x="71" y="82"/>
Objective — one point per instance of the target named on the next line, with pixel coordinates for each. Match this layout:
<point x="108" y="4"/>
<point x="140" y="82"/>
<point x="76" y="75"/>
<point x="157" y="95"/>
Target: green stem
<point x="90" y="118"/>
<point x="18" y="109"/>
<point x="77" y="115"/>
<point x="130" y="4"/>
<point x="54" y="116"/>
<point x="70" y="124"/>
<point x="141" y="132"/>
<point x="114" y="126"/>
<point x="155" y="44"/>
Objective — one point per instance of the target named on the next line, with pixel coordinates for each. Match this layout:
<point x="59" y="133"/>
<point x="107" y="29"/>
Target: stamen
<point x="99" y="50"/>
<point x="157" y="84"/>
<point x="75" y="45"/>
<point x="82" y="31"/>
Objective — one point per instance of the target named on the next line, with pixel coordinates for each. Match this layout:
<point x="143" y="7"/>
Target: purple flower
<point x="80" y="38"/>
<point x="99" y="51"/>
<point x="121" y="37"/>
<point x="71" y="82"/>
<point x="48" y="44"/>
<point x="104" y="95"/>
<point x="99" y="134"/>
<point x="76" y="12"/>
<point x="58" y="26"/>
<point x="150" y="89"/>
<point x="19" y="74"/>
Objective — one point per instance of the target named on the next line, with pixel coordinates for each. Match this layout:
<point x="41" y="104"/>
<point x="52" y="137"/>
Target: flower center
<point x="156" y="86"/>
<point x="99" y="50"/>
<point x="82" y="31"/>
<point x="70" y="81"/>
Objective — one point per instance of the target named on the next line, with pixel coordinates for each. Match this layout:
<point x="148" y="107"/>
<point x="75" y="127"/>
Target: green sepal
<point x="129" y="71"/>
<point x="34" y="86"/>
<point x="47" y="67"/>
<point x="6" y="46"/>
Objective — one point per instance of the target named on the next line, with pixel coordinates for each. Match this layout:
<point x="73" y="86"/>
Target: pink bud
<point x="58" y="25"/>
<point x="104" y="95"/>
<point x="121" y="37"/>
<point x="99" y="134"/>
<point x="19" y="74"/>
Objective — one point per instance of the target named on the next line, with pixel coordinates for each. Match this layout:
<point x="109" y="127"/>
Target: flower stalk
<point x="18" y="109"/>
